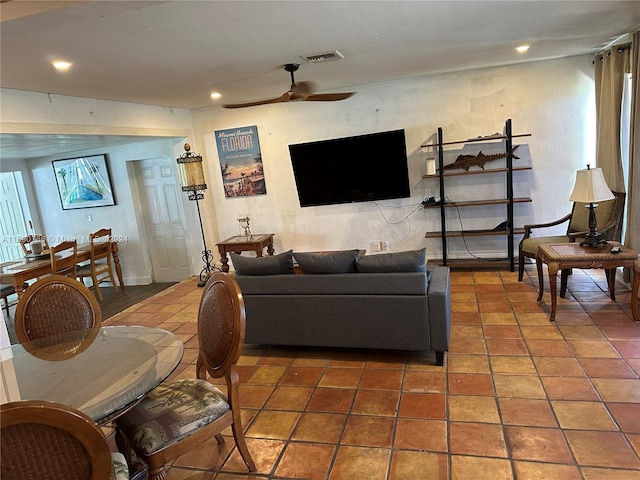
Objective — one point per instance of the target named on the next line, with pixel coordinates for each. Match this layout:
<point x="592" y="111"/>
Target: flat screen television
<point x="362" y="168"/>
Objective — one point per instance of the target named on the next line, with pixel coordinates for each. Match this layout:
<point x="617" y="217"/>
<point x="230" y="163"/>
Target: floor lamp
<point x="192" y="180"/>
<point x="591" y="187"/>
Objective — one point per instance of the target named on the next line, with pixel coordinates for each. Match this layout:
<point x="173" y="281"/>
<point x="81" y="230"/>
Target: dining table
<point x="17" y="272"/>
<point x="102" y="371"/>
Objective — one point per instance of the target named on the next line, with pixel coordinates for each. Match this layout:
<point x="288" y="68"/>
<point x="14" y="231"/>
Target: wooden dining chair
<point x="56" y="305"/>
<point x="25" y="243"/>
<point x="177" y="416"/>
<point x="100" y="268"/>
<point x="6" y="290"/>
<point x="64" y="258"/>
<point x="47" y="440"/>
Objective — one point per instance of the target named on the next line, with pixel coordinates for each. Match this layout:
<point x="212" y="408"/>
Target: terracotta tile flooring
<point x="518" y="397"/>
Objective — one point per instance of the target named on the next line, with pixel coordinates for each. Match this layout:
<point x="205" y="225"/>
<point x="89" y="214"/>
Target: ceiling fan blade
<point x="285" y="97"/>
<point x="301" y="90"/>
<point x="328" y="97"/>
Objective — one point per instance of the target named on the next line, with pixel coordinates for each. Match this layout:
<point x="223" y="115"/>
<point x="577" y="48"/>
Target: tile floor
<point x="518" y="397"/>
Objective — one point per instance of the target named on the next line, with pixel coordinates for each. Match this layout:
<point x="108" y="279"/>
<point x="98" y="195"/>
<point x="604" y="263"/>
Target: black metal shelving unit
<point x="509" y="199"/>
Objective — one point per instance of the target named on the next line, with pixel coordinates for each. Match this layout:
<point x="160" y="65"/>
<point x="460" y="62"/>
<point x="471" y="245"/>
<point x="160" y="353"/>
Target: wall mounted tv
<point x="363" y="168"/>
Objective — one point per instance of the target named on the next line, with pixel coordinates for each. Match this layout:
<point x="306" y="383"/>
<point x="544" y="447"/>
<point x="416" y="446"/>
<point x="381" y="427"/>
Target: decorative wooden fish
<point x="466" y="161"/>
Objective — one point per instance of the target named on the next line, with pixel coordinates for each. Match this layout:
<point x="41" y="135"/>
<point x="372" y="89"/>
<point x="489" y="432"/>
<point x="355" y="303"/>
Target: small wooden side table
<point x="242" y="243"/>
<point x="572" y="255"/>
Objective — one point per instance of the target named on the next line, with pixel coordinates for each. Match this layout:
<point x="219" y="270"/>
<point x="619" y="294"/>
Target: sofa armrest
<point x="439" y="300"/>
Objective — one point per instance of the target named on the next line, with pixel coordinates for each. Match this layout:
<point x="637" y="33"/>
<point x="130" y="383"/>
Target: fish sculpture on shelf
<point x="466" y="161"/>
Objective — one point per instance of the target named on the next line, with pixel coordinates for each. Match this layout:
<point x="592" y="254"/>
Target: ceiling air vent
<point x="323" y="57"/>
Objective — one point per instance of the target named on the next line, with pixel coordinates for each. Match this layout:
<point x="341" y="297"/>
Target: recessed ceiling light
<point x="522" y="48"/>
<point x="61" y="65"/>
<point x="215" y="95"/>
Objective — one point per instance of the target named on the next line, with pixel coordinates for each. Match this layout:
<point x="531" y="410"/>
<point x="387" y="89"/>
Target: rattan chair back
<point x="55" y="305"/>
<point x="221" y="324"/>
<point x="47" y="440"/>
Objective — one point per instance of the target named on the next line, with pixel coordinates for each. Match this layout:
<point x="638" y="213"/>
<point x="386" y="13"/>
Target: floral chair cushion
<point x="171" y="412"/>
<point x="120" y="471"/>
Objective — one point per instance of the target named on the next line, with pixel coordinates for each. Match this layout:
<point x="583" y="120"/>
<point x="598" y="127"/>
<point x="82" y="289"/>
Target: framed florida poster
<point x="240" y="162"/>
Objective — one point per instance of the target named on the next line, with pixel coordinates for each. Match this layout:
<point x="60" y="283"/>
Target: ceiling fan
<point x="298" y="91"/>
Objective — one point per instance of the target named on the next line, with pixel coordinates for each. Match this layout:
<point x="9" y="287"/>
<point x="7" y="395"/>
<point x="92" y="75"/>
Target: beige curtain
<point x="610" y="69"/>
<point x="632" y="237"/>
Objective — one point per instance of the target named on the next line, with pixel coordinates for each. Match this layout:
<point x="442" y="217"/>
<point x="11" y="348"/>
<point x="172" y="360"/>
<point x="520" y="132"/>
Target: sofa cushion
<point x="409" y="261"/>
<point x="269" y="265"/>
<point x="339" y="284"/>
<point x="342" y="261"/>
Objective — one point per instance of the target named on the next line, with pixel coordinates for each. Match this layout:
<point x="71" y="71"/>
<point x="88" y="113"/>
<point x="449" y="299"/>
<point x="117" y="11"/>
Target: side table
<point x="572" y="255"/>
<point x="243" y="243"/>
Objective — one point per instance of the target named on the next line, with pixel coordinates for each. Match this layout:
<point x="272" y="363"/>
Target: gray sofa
<point x="356" y="309"/>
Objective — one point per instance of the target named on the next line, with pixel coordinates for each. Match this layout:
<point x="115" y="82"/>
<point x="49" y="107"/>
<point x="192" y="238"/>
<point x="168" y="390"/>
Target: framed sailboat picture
<point x="84" y="182"/>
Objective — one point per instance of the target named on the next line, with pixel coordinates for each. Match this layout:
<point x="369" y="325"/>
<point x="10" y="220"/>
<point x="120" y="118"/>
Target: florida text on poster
<point x="240" y="162"/>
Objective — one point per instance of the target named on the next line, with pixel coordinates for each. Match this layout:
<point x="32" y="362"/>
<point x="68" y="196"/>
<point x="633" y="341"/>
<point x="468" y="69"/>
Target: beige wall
<point x="552" y="100"/>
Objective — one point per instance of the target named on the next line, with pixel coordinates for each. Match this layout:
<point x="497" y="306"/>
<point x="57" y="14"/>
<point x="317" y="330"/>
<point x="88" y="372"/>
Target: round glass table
<point x="101" y="372"/>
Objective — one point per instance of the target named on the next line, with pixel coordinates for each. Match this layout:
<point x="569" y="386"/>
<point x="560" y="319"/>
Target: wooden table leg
<point x="564" y="275"/>
<point x="258" y="252"/>
<point x="224" y="261"/>
<point x="19" y="288"/>
<point x="611" y="282"/>
<point x="540" y="277"/>
<point x="634" y="290"/>
<point x="116" y="263"/>
<point x="553" y="277"/>
<point x="270" y="249"/>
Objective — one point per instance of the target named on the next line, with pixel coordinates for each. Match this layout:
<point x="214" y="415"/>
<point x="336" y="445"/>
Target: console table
<point x="571" y="255"/>
<point x="242" y="243"/>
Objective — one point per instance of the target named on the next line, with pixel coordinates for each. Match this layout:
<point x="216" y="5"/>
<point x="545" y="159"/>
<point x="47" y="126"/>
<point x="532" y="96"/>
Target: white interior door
<point x="12" y="221"/>
<point x="163" y="219"/>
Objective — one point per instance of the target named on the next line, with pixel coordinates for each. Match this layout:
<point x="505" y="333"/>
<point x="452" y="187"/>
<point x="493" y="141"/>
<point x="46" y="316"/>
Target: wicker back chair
<point x="47" y="440"/>
<point x="55" y="305"/>
<point x="177" y="416"/>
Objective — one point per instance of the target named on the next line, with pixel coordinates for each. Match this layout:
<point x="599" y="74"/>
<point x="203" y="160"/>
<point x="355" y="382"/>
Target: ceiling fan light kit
<point x="298" y="91"/>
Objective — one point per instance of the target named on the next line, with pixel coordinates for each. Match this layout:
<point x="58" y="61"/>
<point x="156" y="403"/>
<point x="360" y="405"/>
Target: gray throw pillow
<point x="409" y="261"/>
<point x="269" y="265"/>
<point x="342" y="261"/>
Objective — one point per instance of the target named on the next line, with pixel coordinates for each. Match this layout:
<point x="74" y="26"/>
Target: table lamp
<point x="590" y="188"/>
<point x="192" y="180"/>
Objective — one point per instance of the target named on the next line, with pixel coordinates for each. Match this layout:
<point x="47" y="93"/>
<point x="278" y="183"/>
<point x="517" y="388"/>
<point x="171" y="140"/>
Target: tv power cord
<point x="416" y="208"/>
<point x="464" y="240"/>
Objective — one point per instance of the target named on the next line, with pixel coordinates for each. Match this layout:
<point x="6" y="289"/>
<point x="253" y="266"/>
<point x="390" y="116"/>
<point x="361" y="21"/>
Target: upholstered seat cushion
<point x="171" y="412"/>
<point x="530" y="245"/>
<point x="120" y="470"/>
<point x="85" y="270"/>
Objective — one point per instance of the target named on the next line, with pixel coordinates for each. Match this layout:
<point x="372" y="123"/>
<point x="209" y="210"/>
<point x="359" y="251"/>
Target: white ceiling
<point x="175" y="53"/>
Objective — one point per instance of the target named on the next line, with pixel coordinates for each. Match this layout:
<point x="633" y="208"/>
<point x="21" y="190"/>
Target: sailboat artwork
<point x="83" y="182"/>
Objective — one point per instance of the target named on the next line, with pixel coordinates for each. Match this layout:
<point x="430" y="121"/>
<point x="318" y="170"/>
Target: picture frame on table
<point x="84" y="182"/>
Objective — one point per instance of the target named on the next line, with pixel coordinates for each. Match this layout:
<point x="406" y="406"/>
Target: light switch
<point x="88" y="218"/>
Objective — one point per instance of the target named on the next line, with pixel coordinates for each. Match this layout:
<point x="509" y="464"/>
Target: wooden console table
<point x="242" y="243"/>
<point x="571" y="255"/>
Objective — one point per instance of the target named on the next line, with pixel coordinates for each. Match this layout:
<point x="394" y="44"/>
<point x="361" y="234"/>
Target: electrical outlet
<point x="375" y="246"/>
<point x="384" y="245"/>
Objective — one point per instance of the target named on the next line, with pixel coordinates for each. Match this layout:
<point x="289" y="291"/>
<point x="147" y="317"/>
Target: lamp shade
<point x="590" y="187"/>
<point x="190" y="169"/>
